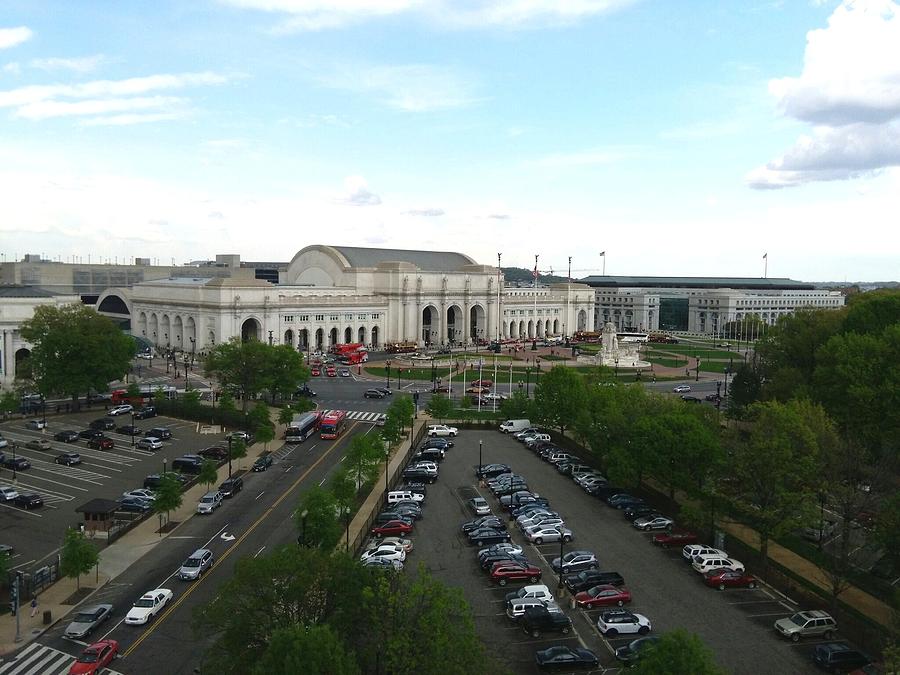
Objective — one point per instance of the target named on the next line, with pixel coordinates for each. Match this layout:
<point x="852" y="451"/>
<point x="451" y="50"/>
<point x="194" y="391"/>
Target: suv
<point x="811" y="623"/>
<point x="537" y="620"/>
<point x="145" y="412"/>
<point x="839" y="656"/>
<point x="374" y="393"/>
<point x="209" y="502"/>
<point x="200" y="561"/>
<point x="231" y="486"/>
<point x="162" y="433"/>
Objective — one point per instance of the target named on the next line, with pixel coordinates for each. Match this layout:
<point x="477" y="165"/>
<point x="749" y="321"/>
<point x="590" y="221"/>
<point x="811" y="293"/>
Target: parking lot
<point x="36" y="534"/>
<point x="736" y="623"/>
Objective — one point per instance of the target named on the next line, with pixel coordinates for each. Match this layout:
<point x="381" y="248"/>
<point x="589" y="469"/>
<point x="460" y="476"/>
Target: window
<point x="320" y="317"/>
<point x="376" y="316"/>
<point x="304" y="317"/>
<point x="348" y="317"/>
<point x="335" y="317"/>
<point x="361" y="317"/>
<point x="288" y="319"/>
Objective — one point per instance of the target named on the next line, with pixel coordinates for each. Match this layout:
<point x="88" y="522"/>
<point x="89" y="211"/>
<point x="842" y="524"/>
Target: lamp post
<point x="193" y="348"/>
<point x="303" y="527"/>
<point x="270" y="338"/>
<point x="697" y="373"/>
<point x="479" y="459"/>
<point x="560" y="587"/>
<point x="132" y="428"/>
<point x="167" y="361"/>
<point x="185" y="373"/>
<point x="230" y="438"/>
<point x="387" y="456"/>
<point x="617" y="368"/>
<point x="537" y="375"/>
<point x="387" y="373"/>
<point x="527" y="381"/>
<point x="14" y="447"/>
<point x="43" y="412"/>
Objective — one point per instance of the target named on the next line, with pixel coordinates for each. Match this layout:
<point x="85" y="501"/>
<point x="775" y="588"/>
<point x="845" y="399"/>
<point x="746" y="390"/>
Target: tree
<point x="261" y="424"/>
<point x="237" y="449"/>
<point x="439" y="407"/>
<point x="364" y="457"/>
<point x="168" y="496"/>
<point x="518" y="406"/>
<point x="775" y="466"/>
<point x="265" y="434"/>
<point x="560" y="397"/>
<point x="312" y="650"/>
<point x="676" y="653"/>
<point x="226" y="401"/>
<point x="75" y="350"/>
<point x="9" y="403"/>
<point x="77" y="556"/>
<point x="343" y="489"/>
<point x="887" y="527"/>
<point x="285" y="371"/>
<point x="746" y="389"/>
<point x="243" y="366"/>
<point x="319" y="527"/>
<point x="286" y="415"/>
<point x="208" y="473"/>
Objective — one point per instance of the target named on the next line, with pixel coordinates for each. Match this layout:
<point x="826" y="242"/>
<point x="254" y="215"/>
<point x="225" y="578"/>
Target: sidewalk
<point x="114" y="560"/>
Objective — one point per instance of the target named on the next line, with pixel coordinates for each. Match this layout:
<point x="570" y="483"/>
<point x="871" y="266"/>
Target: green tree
<point x="261" y="424"/>
<point x="265" y="434"/>
<point x="237" y="450"/>
<point x="364" y="457"/>
<point x="677" y="652"/>
<point x="226" y="401"/>
<point x="343" y="488"/>
<point x="168" y="495"/>
<point x="286" y="415"/>
<point x="439" y="407"/>
<point x="9" y="403"/>
<point x="312" y="650"/>
<point x="285" y="371"/>
<point x="518" y="406"/>
<point x="320" y="527"/>
<point x="775" y="467"/>
<point x="75" y="350"/>
<point x="872" y="313"/>
<point x="208" y="473"/>
<point x="745" y="390"/>
<point x="560" y="397"/>
<point x="77" y="556"/>
<point x="242" y="366"/>
<point x="887" y="527"/>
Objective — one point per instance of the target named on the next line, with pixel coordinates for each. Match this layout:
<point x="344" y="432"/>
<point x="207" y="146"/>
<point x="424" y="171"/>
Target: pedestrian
<point x="33" y="605"/>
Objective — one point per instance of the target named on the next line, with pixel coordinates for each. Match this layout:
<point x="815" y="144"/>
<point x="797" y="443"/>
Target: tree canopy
<point x="77" y="556"/>
<point x="560" y="397"/>
<point x="677" y="652"/>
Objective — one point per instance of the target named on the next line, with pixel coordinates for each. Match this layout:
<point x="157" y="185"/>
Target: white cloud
<point x="850" y="89"/>
<point x="131" y="119"/>
<point x="80" y="65"/>
<point x="358" y="193"/>
<point x="411" y="88"/>
<point x="13" y="68"/>
<point x="46" y="109"/>
<point x="10" y="37"/>
<point x="309" y="15"/>
<point x="583" y="157"/>
<point x="427" y="213"/>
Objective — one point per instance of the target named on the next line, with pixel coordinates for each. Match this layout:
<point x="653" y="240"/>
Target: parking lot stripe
<point x="756" y="616"/>
<point x="13" y="508"/>
<point x="55" y="482"/>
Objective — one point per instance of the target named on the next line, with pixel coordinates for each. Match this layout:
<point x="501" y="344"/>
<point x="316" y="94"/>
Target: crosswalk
<point x="38" y="659"/>
<point x="359" y="415"/>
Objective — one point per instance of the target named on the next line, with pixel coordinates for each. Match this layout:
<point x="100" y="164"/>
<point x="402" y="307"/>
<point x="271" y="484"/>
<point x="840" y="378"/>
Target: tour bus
<point x="145" y="394"/>
<point x="351" y="354"/>
<point x="301" y="427"/>
<point x="332" y="424"/>
<point x="401" y="348"/>
<point x="586" y="336"/>
<point x="633" y="337"/>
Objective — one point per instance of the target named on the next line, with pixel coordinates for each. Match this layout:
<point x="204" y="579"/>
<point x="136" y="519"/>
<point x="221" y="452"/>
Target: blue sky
<point x="681" y="138"/>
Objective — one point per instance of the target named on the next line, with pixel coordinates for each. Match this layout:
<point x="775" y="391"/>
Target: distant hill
<point x="522" y="276"/>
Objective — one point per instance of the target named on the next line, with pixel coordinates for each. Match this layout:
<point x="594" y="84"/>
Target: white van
<point x="395" y="496"/>
<point x="513" y="426"/>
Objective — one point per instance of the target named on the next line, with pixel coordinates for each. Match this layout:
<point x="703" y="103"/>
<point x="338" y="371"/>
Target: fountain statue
<point x="614" y="355"/>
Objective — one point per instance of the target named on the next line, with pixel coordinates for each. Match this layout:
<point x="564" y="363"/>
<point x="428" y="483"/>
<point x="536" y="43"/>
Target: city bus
<point x="633" y="337"/>
<point x="301" y="427"/>
<point x="332" y="424"/>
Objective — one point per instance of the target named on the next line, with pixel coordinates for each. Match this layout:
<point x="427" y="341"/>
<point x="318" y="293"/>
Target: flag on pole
<point x="765" y="256"/>
<point x="603" y="253"/>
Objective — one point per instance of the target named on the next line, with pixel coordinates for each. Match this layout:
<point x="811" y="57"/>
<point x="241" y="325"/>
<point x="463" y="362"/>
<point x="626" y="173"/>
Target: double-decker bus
<point x="351" y="353"/>
<point x="633" y="337"/>
<point x="663" y="338"/>
<point x="332" y="424"/>
<point x="301" y="427"/>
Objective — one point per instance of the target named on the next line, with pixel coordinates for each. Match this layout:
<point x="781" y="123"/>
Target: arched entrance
<point x="142" y="324"/>
<point x="454" y="324"/>
<point x="166" y="330"/>
<point x="429" y="325"/>
<point x="374" y="336"/>
<point x="521" y="333"/>
<point x="348" y="335"/>
<point x="250" y="330"/>
<point x="582" y="320"/>
<point x="477" y="325"/>
<point x="153" y="330"/>
<point x="361" y="335"/>
<point x="320" y="340"/>
<point x="178" y="333"/>
<point x="190" y="333"/>
<point x="530" y="328"/>
<point x="333" y="337"/>
<point x="289" y="337"/>
<point x="513" y="333"/>
<point x="556" y="326"/>
<point x="23" y="364"/>
<point x="303" y="340"/>
<point x="211" y="338"/>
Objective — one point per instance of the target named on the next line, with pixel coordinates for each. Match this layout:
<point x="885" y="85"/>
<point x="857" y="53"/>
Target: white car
<point x="36" y="424"/>
<point x="691" y="550"/>
<point x="648" y="523"/>
<point x="141" y="493"/>
<point x="442" y="430"/>
<point x="544" y="518"/>
<point x="622" y="622"/>
<point x="405" y="544"/>
<point x="150" y="443"/>
<point x="3" y="442"/>
<point x="705" y="563"/>
<point x="385" y="553"/>
<point x="147" y="606"/>
<point x="430" y="467"/>
<point x="123" y="409"/>
<point x="538" y="591"/>
<point x="7" y="494"/>
<point x="682" y="389"/>
<point x="209" y="502"/>
<point x="541" y="534"/>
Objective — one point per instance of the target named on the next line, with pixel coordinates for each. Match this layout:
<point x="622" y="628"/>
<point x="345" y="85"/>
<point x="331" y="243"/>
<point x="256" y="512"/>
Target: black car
<point x="104" y="424"/>
<point x="68" y="458"/>
<point x="162" y="433"/>
<point x="384" y="390"/>
<point x="623" y="502"/>
<point x="437" y="442"/>
<point x="484" y="521"/>
<point x="537" y="620"/>
<point x="632" y="513"/>
<point x="509" y="488"/>
<point x="90" y="433"/>
<point x="634" y="650"/>
<point x="838" y="657"/>
<point x="486" y="561"/>
<point x="561" y="657"/>
<point x="231" y="486"/>
<point x="262" y="463"/>
<point x="386" y="516"/>
<point x="374" y="393"/>
<point x="144" y="413"/>
<point x="415" y="487"/>
<point x="491" y="470"/>
<point x="17" y="463"/>
<point x="413" y="474"/>
<point x="488" y="536"/>
<point x="604" y="490"/>
<point x="409" y="511"/>
<point x="215" y="452"/>
<point x="67" y="436"/>
<point x="305" y="391"/>
<point x="128" y="430"/>
<point x="691" y="399"/>
<point x="429" y="455"/>
<point x="29" y="501"/>
<point x="153" y="481"/>
<point x="589" y="578"/>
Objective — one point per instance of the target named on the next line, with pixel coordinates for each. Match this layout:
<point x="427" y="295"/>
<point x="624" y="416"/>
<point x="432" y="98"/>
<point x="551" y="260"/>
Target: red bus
<point x="332" y="424"/>
<point x="401" y="348"/>
<point x="340" y="350"/>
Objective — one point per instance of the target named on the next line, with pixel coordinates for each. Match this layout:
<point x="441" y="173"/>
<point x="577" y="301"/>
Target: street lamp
<point x="132" y="428"/>
<point x="527" y="381"/>
<point x="697" y="373"/>
<point x="617" y="368"/>
<point x="387" y="456"/>
<point x="433" y="374"/>
<point x="185" y="372"/>
<point x="387" y="373"/>
<point x="561" y="541"/>
<point x="479" y="459"/>
<point x="270" y="338"/>
<point x="193" y="348"/>
<point x="230" y="438"/>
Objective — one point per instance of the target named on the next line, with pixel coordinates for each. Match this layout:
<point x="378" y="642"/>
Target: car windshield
<point x="83" y="617"/>
<point x="192" y="562"/>
<point x="207" y="500"/>
<point x="144" y="602"/>
<point x="797" y="619"/>
<point x="89" y="656"/>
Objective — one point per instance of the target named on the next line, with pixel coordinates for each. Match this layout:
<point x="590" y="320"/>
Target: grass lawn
<point x="667" y="362"/>
<point x="702" y="352"/>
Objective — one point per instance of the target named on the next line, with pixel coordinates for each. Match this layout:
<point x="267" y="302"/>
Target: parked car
<point x="134" y="505"/>
<point x="385" y="552"/>
<point x="129" y="430"/>
<point x="262" y="463"/>
<point x="488" y="536"/>
<point x="162" y="433"/>
<point x="66" y="436"/>
<point x="442" y="430"/>
<point x="68" y="459"/>
<point x="38" y="444"/>
<point x="839" y="657"/>
<point x="636" y="649"/>
<point x="603" y="596"/>
<point x="622" y="622"/>
<point x="575" y="561"/>
<point x="36" y="425"/>
<point x="538" y="620"/>
<point x="231" y="486"/>
<point x="541" y="534"/>
<point x="123" y="409"/>
<point x="675" y="538"/>
<point x="87" y="620"/>
<point x="194" y="567"/>
<point x="479" y="506"/>
<point x="90" y="433"/>
<point x="147" y="606"/>
<point x="8" y="493"/>
<point x="405" y="544"/>
<point x="144" y="413"/>
<point x="29" y="500"/>
<point x="3" y="442"/>
<point x="811" y="623"/>
<point x="505" y="571"/>
<point x="705" y="563"/>
<point x="691" y="550"/>
<point x="507" y="547"/>
<point x="101" y="443"/>
<point x="103" y="424"/>
<point x="142" y="493"/>
<point x="150" y="443"/>
<point x="17" y="463"/>
<point x="561" y="657"/>
<point x="392" y="528"/>
<point x="632" y="513"/>
<point x="589" y="578"/>
<point x="95" y="658"/>
<point x="215" y="452"/>
<point x="723" y="579"/>
<point x="653" y="522"/>
<point x="440" y="442"/>
<point x="209" y="502"/>
<point x="417" y="474"/>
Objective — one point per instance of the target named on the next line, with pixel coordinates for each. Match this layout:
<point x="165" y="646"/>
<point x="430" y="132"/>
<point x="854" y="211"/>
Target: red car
<point x="101" y="444"/>
<point x="95" y="658"/>
<point x="675" y="538"/>
<point x="331" y="372"/>
<point x="392" y="528"/>
<point x="722" y="578"/>
<point x="315" y="371"/>
<point x="603" y="596"/>
<point x="504" y="572"/>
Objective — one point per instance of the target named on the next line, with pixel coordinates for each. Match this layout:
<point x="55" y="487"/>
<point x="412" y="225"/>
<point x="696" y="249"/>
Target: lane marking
<point x="259" y="495"/>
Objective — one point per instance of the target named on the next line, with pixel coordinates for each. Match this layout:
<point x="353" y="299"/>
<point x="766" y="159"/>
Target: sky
<point x="680" y="138"/>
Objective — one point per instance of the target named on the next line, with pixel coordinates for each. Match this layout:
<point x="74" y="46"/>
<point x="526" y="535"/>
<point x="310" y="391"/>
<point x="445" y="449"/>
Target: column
<point x="465" y="322"/>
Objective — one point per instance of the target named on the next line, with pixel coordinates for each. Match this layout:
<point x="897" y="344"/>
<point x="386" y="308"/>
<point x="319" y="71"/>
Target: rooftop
<point x="757" y="283"/>
<point x="434" y="261"/>
<point x="19" y="291"/>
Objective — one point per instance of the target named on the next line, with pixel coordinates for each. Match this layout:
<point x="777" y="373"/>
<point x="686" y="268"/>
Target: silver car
<point x="84" y="623"/>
